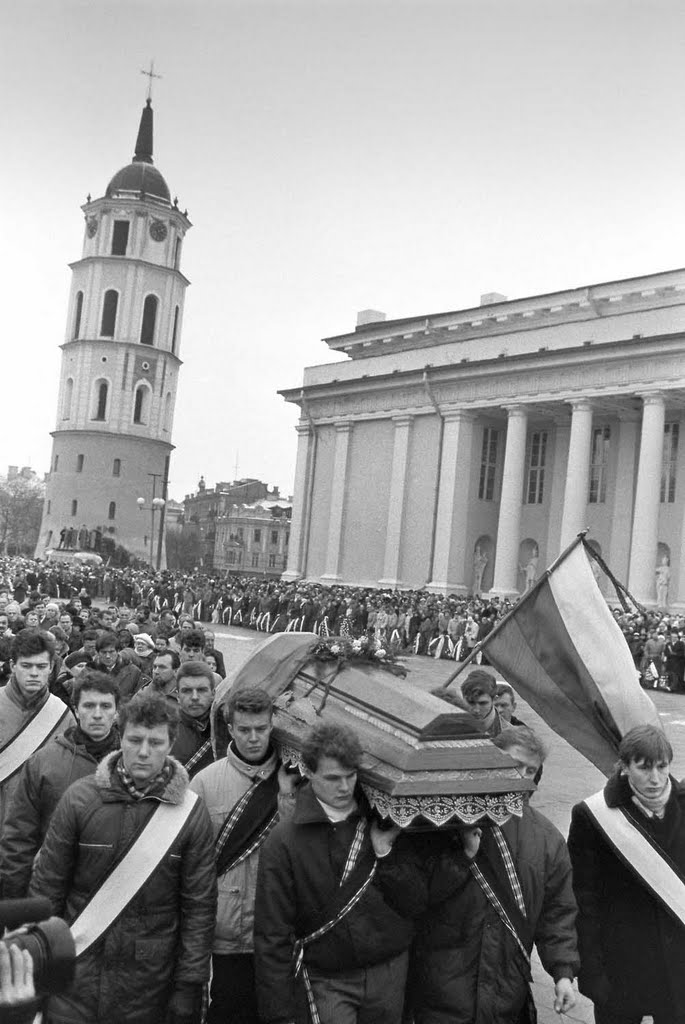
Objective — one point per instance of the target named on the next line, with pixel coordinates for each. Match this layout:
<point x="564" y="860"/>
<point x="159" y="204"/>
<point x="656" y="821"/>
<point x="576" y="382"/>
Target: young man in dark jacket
<point x="128" y="861"/>
<point x="627" y="846"/>
<point x="129" y="677"/>
<point x="469" y="966"/>
<point x="193" y="743"/>
<point x="50" y="771"/>
<point x="318" y="884"/>
<point x="30" y="715"/>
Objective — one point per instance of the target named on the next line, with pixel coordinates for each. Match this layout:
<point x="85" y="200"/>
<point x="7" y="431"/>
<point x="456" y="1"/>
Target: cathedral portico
<point x="483" y="458"/>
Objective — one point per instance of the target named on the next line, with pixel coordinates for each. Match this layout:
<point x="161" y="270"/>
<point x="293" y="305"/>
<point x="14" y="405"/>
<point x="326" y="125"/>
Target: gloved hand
<point x="185" y="1005"/>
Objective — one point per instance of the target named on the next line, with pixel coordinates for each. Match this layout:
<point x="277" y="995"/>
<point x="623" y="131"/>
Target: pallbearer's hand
<point x="564" y="995"/>
<point x="471" y="837"/>
<point x="287" y="781"/>
<point x="382" y="839"/>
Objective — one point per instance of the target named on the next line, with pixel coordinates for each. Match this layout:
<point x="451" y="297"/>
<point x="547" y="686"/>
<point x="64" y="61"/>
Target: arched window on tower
<point x="147" y="329"/>
<point x="167" y="412"/>
<point x="100" y="395"/>
<point x="109" y="313"/>
<point x="68" y="397"/>
<point x="174" y="333"/>
<point x="120" y="237"/>
<point x="141" y="405"/>
<point x="78" y="310"/>
<point x="112" y="510"/>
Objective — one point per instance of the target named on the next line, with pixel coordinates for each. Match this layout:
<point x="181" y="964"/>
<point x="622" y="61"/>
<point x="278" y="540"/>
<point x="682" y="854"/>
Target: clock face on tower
<point x="158" y="231"/>
<point x="92" y="226"/>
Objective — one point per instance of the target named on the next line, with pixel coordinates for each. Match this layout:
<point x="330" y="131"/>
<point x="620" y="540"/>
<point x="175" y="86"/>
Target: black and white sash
<point x="298" y="953"/>
<point x="247" y="825"/>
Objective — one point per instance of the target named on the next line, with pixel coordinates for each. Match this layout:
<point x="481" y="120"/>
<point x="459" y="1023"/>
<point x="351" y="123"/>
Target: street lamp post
<point x="156" y="505"/>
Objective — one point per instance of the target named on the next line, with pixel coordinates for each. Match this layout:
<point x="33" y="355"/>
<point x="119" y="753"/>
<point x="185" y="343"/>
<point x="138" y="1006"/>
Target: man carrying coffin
<point x="323" y="927"/>
<point x="483" y="897"/>
<point x="246" y="792"/>
<point x="128" y="861"/>
<point x="29" y="714"/>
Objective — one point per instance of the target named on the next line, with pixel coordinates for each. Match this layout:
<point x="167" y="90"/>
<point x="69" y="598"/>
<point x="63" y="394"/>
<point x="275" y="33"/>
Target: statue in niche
<point x="480" y="560"/>
<point x="530" y="570"/>
<point x="663" y="579"/>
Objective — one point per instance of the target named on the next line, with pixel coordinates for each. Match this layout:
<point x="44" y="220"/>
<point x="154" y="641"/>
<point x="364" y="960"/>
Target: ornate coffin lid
<point x="396" y="760"/>
<point x="424" y="760"/>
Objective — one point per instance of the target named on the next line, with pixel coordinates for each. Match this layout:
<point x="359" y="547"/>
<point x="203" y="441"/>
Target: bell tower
<point x="120" y="366"/>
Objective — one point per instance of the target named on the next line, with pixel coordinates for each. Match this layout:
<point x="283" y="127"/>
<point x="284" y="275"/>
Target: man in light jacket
<point x="244" y="793"/>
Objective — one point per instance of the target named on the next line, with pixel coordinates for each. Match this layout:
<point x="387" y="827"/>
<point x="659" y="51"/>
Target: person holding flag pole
<point x="627" y="846"/>
<point x="563" y="652"/>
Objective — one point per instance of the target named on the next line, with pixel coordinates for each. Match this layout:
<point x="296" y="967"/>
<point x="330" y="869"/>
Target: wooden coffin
<point x="425" y="763"/>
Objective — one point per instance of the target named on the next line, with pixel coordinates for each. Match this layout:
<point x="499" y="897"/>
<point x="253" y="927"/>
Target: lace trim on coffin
<point x="443" y="810"/>
<point x="438" y="810"/>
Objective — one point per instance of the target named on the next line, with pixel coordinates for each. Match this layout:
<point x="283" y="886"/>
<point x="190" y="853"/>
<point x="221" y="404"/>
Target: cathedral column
<point x="622" y="512"/>
<point x="562" y="437"/>
<point x="644" y="541"/>
<point x="398" y="480"/>
<point x="577" y="469"/>
<point x="449" y="552"/>
<point x="297" y="556"/>
<point x="509" y="523"/>
<point x="337" y="502"/>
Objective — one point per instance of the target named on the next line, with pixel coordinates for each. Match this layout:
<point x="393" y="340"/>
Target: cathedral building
<point x="463" y="451"/>
<point x="120" y="363"/>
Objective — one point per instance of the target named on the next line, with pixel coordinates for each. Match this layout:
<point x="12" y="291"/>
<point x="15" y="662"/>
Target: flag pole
<point x="618" y="586"/>
<point x="481" y="645"/>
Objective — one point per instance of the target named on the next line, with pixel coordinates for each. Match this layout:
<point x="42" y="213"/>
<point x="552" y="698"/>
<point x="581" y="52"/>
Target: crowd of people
<point x="439" y="626"/>
<point x="211" y="884"/>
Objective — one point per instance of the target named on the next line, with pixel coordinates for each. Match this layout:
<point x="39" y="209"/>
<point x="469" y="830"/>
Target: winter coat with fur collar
<point x="164" y="936"/>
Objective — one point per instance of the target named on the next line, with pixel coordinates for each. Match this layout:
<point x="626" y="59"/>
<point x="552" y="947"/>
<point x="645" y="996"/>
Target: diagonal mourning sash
<point x="336" y="910"/>
<point x="497" y="879"/>
<point x="31" y="736"/>
<point x="202" y="751"/>
<point x="131" y="873"/>
<point x="641" y="855"/>
<point x="248" y="823"/>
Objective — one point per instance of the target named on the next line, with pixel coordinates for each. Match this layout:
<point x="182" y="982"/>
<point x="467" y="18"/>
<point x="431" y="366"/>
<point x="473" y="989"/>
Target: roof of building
<point x="140" y="177"/>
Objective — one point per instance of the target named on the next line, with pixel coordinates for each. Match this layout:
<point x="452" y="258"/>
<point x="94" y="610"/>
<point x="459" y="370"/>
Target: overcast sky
<point x="333" y="156"/>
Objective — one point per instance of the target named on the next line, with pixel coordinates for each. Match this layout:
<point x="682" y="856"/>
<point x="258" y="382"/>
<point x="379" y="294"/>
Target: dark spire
<point x="143" y="154"/>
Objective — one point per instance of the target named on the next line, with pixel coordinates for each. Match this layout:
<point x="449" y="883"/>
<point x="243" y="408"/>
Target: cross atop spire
<point x="150" y="74"/>
<point x="143" y="153"/>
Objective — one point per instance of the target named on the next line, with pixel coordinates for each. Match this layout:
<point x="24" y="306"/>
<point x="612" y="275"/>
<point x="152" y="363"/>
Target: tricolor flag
<point x="564" y="653"/>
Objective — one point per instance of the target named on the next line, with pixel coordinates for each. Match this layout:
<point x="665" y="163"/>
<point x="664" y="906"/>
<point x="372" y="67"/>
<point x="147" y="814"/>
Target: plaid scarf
<point x="515" y="884"/>
<point x="299" y="966"/>
<point x="155" y="787"/>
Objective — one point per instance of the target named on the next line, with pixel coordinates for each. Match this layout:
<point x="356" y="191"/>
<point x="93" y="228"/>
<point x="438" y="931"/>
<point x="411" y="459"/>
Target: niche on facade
<point x="529" y="563"/>
<point x="483" y="562"/>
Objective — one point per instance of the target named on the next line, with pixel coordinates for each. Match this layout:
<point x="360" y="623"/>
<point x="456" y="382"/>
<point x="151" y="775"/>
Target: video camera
<point x="48" y="940"/>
